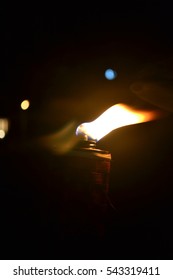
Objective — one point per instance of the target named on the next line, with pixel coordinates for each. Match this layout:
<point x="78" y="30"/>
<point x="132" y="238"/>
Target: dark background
<point x="56" y="56"/>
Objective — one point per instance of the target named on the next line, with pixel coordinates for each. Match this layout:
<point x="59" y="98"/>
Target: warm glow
<point x="25" y="104"/>
<point x="116" y="116"/>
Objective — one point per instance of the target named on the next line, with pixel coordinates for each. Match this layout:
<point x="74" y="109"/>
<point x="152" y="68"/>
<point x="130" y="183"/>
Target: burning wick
<point x="116" y="116"/>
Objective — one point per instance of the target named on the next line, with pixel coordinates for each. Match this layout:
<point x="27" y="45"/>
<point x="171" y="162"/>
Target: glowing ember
<point x="116" y="116"/>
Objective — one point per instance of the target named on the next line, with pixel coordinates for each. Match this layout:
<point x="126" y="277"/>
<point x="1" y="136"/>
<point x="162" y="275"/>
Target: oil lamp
<point x="87" y="172"/>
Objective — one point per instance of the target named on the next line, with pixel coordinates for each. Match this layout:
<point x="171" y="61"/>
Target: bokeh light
<point x="110" y="74"/>
<point x="25" y="104"/>
<point x="2" y="133"/>
<point x="4" y="126"/>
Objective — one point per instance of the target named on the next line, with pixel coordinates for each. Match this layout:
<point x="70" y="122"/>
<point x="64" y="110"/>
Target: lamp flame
<point x="116" y="116"/>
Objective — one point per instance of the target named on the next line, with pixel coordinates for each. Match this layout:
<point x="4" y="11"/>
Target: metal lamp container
<point x="87" y="171"/>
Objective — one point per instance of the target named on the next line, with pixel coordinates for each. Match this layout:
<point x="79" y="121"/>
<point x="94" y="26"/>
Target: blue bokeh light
<point x="110" y="74"/>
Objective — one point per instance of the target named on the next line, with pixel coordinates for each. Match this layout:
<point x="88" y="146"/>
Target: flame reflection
<point x="116" y="116"/>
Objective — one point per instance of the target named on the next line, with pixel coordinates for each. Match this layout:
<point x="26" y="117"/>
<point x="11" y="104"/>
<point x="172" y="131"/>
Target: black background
<point x="56" y="56"/>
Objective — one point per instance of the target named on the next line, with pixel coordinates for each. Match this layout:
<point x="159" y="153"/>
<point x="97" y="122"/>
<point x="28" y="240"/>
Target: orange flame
<point x="116" y="116"/>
